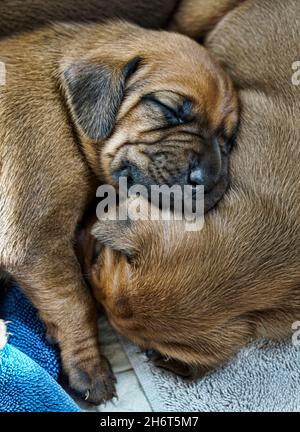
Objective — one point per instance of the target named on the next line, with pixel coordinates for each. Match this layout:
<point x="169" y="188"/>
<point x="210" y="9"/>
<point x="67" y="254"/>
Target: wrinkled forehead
<point x="188" y="80"/>
<point x="199" y="87"/>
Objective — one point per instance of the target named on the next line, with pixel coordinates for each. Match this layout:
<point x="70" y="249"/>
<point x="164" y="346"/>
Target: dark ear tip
<point x="95" y="95"/>
<point x="132" y="66"/>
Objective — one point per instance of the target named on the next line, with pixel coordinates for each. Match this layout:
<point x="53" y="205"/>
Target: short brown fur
<point x="50" y="166"/>
<point x="24" y="15"/>
<point x="197" y="298"/>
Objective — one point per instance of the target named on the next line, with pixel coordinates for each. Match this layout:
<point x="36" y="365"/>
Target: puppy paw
<point x="95" y="385"/>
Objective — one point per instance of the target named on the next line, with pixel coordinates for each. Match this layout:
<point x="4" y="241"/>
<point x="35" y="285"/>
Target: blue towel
<point x="29" y="365"/>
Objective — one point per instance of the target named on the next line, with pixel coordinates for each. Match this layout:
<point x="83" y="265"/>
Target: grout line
<point x="122" y="343"/>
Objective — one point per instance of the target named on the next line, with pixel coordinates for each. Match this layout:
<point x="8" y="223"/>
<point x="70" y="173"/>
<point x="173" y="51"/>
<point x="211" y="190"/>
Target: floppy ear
<point x="95" y="93"/>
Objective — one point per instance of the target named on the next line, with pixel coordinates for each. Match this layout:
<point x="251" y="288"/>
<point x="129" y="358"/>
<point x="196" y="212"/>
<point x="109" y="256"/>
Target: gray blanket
<point x="263" y="377"/>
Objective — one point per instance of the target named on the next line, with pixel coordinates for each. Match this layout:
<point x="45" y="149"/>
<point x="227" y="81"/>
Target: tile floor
<point x="131" y="397"/>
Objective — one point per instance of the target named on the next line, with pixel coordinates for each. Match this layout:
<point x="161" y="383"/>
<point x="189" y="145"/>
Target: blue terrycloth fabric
<point x="29" y="365"/>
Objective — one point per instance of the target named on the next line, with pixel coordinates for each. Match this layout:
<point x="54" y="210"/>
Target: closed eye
<point x="171" y="115"/>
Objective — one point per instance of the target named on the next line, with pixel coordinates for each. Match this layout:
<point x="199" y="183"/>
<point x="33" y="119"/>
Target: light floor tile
<point x="131" y="397"/>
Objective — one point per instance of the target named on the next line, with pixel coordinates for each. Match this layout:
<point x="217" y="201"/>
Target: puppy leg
<point x="195" y="18"/>
<point x="55" y="285"/>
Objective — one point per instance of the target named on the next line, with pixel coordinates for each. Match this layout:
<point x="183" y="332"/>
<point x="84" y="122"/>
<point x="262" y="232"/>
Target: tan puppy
<point x="82" y="105"/>
<point x="197" y="298"/>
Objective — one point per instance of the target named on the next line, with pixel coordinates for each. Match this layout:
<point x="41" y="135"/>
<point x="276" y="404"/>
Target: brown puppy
<point x="83" y="105"/>
<point x="20" y="15"/>
<point x="197" y="298"/>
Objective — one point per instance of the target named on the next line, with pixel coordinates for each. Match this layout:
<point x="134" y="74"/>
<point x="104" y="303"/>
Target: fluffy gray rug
<point x="263" y="377"/>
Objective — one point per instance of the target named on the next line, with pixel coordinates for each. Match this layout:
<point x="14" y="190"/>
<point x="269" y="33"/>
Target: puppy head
<point x="160" y="111"/>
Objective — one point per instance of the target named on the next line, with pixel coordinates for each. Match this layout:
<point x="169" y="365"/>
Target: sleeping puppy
<point x="84" y="105"/>
<point x="196" y="298"/>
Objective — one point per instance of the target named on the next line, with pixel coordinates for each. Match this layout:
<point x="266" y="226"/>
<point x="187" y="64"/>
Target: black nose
<point x="207" y="177"/>
<point x="206" y="171"/>
<point x="197" y="176"/>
